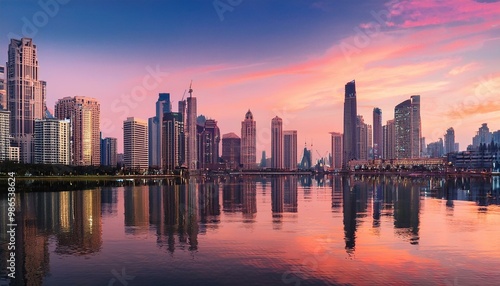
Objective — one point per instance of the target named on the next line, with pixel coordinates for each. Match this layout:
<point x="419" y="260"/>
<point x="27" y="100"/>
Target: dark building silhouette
<point x="208" y="144"/>
<point x="231" y="150"/>
<point x="173" y="141"/>
<point x="350" y="119"/>
<point x="378" y="139"/>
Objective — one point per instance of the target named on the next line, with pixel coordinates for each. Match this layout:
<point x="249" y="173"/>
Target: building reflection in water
<point x="239" y="195"/>
<point x="109" y="201"/>
<point x="349" y="211"/>
<point x="283" y="197"/>
<point x="337" y="188"/>
<point x="378" y="200"/>
<point x="80" y="222"/>
<point x="407" y="210"/>
<point x="209" y="207"/>
<point x="136" y="209"/>
<point x="180" y="229"/>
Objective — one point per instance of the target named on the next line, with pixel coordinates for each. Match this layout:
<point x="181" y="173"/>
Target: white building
<point x="52" y="141"/>
<point x="135" y="143"/>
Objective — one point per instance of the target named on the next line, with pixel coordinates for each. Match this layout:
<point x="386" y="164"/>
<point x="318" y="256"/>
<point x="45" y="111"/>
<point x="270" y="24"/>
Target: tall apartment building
<point x="109" y="151"/>
<point x="337" y="153"/>
<point x="248" y="141"/>
<point x="208" y="144"/>
<point x="173" y="141"/>
<point x="350" y="120"/>
<point x="231" y="150"/>
<point x="25" y="92"/>
<point x="408" y="128"/>
<point x="389" y="134"/>
<point x="277" y="143"/>
<point x="155" y="130"/>
<point x="135" y="143"/>
<point x="84" y="114"/>
<point x="290" y="149"/>
<point x="4" y="134"/>
<point x="52" y="141"/>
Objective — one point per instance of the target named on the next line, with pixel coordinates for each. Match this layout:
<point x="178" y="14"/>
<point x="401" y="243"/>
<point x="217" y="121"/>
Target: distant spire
<point x="190" y="89"/>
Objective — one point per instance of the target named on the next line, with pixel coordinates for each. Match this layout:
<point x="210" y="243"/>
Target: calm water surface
<point x="283" y="230"/>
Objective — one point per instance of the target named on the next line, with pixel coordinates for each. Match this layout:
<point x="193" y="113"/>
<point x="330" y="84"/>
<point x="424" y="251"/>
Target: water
<point x="254" y="231"/>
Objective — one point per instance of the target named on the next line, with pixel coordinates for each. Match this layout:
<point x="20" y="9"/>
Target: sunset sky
<point x="287" y="58"/>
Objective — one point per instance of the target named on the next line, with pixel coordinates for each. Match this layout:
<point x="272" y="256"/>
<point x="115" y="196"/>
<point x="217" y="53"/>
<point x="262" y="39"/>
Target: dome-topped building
<point x="248" y="142"/>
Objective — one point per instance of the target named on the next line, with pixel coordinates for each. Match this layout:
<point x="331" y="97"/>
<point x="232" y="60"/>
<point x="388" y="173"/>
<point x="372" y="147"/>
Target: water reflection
<point x="179" y="217"/>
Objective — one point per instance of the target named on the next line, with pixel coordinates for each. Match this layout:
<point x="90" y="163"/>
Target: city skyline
<point x="453" y="71"/>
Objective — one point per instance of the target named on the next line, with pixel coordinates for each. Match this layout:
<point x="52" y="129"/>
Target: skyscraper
<point x="190" y="131"/>
<point x="231" y="150"/>
<point x="416" y="126"/>
<point x="378" y="149"/>
<point x="155" y="130"/>
<point x="135" y="143"/>
<point x="449" y="141"/>
<point x="173" y="140"/>
<point x="3" y="90"/>
<point x="52" y="141"/>
<point x="277" y="143"/>
<point x="408" y="128"/>
<point x="4" y="134"/>
<point x="290" y="149"/>
<point x="389" y="134"/>
<point x="25" y="95"/>
<point x="350" y="119"/>
<point x="337" y="153"/>
<point x="362" y="138"/>
<point x="208" y="144"/>
<point x="108" y="152"/>
<point x="483" y="136"/>
<point x="248" y="141"/>
<point x="84" y="114"/>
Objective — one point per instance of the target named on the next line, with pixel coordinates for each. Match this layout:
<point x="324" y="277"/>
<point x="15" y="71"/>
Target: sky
<point x="290" y="59"/>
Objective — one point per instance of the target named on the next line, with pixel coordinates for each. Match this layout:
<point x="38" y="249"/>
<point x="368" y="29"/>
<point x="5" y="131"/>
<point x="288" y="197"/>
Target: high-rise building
<point x="190" y="131"/>
<point x="496" y="137"/>
<point x="369" y="139"/>
<point x="423" y="147"/>
<point x="108" y="151"/>
<point x="483" y="136"/>
<point x="84" y="114"/>
<point x="362" y="138"/>
<point x="231" y="148"/>
<point x="248" y="141"/>
<point x="436" y="149"/>
<point x="25" y="94"/>
<point x="3" y="90"/>
<point x="52" y="141"/>
<point x="263" y="163"/>
<point x="290" y="149"/>
<point x="277" y="143"/>
<point x="4" y="134"/>
<point x="208" y="144"/>
<point x="350" y="119"/>
<point x="135" y="143"/>
<point x="337" y="153"/>
<point x="449" y="141"/>
<point x="378" y="140"/>
<point x="389" y="134"/>
<point x="408" y="128"/>
<point x="457" y="147"/>
<point x="173" y="140"/>
<point x="155" y="130"/>
<point x="416" y="127"/>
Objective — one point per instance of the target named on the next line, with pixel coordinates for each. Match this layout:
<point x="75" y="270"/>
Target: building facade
<point x="378" y="139"/>
<point x="389" y="134"/>
<point x="84" y="114"/>
<point x="3" y="90"/>
<point x="173" y="141"/>
<point x="208" y="144"/>
<point x="191" y="134"/>
<point x="408" y="128"/>
<point x="337" y="153"/>
<point x="290" y="150"/>
<point x="449" y="141"/>
<point x="135" y="143"/>
<point x="25" y="93"/>
<point x="362" y="139"/>
<point x="231" y="150"/>
<point x="277" y="143"/>
<point x="350" y="120"/>
<point x="4" y="134"/>
<point x="248" y="142"/>
<point x="109" y="151"/>
<point x="52" y="141"/>
<point x="155" y="130"/>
